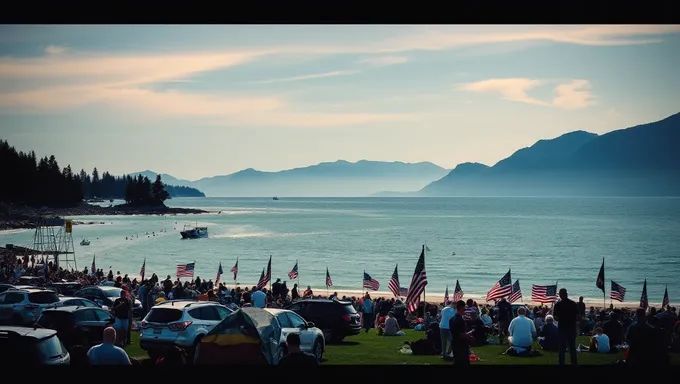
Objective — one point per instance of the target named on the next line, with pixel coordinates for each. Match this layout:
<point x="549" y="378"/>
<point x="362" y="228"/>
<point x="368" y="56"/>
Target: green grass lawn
<point x="369" y="348"/>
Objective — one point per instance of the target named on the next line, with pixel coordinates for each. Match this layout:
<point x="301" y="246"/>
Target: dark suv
<point x="77" y="325"/>
<point x="337" y="319"/>
<point x="31" y="346"/>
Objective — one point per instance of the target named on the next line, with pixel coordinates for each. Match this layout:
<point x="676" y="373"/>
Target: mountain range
<point x="639" y="161"/>
<point x="339" y="178"/>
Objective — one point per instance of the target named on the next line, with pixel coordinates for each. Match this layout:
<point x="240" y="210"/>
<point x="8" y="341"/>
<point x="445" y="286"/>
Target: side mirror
<point x="110" y="320"/>
<point x="310" y="325"/>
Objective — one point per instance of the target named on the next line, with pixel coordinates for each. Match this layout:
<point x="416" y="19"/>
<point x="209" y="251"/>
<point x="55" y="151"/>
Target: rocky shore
<point x="22" y="217"/>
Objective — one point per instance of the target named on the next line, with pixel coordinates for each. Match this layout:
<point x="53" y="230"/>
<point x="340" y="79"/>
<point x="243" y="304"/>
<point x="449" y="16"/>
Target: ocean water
<point x="542" y="240"/>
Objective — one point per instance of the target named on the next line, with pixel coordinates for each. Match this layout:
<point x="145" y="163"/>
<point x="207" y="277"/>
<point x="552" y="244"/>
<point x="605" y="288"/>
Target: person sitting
<point x="295" y="355"/>
<point x="599" y="342"/>
<point x="486" y="319"/>
<point x="613" y="328"/>
<point x="392" y="326"/>
<point x="478" y="329"/>
<point x="521" y="332"/>
<point x="548" y="336"/>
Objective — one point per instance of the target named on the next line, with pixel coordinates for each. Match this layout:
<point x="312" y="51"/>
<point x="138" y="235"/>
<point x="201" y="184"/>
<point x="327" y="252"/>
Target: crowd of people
<point x="450" y="328"/>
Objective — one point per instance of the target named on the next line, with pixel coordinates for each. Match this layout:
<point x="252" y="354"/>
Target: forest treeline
<point x="41" y="182"/>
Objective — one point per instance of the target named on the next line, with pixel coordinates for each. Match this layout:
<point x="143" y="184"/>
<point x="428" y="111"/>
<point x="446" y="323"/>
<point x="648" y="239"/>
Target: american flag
<point x="544" y="293"/>
<point x="458" y="292"/>
<point x="600" y="277"/>
<point x="185" y="270"/>
<point x="644" y="303"/>
<point x="370" y="283"/>
<point x="446" y="294"/>
<point x="403" y="291"/>
<point x="293" y="274"/>
<point x="418" y="283"/>
<point x="329" y="282"/>
<point x="262" y="282"/>
<point x="393" y="285"/>
<point x="142" y="271"/>
<point x="502" y="288"/>
<point x="666" y="301"/>
<point x="93" y="269"/>
<point x="219" y="274"/>
<point x="234" y="269"/>
<point x="516" y="292"/>
<point x="618" y="292"/>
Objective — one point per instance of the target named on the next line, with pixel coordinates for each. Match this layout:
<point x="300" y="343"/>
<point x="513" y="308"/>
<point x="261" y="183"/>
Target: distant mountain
<point x="167" y="179"/>
<point x="175" y="187"/>
<point x="638" y="161"/>
<point x="339" y="178"/>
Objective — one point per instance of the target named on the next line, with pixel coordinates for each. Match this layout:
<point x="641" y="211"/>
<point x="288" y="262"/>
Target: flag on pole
<point x="501" y="289"/>
<point x="93" y="269"/>
<point x="329" y="282"/>
<point x="234" y="269"/>
<point x="600" y="277"/>
<point x="262" y="282"/>
<point x="393" y="285"/>
<point x="516" y="292"/>
<point x="185" y="270"/>
<point x="142" y="271"/>
<point x="268" y="275"/>
<point x="427" y="249"/>
<point x="293" y="274"/>
<point x="418" y="283"/>
<point x="219" y="274"/>
<point x="458" y="292"/>
<point x="544" y="293"/>
<point x="618" y="292"/>
<point x="666" y="302"/>
<point x="370" y="283"/>
<point x="644" y="303"/>
<point x="446" y="294"/>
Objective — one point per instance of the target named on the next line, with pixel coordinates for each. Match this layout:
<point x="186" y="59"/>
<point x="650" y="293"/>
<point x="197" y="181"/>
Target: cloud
<point x="54" y="50"/>
<point x="384" y="61"/>
<point x="307" y="77"/>
<point x="569" y="96"/>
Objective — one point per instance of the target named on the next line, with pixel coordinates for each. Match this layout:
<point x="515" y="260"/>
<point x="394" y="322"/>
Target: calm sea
<point x="542" y="240"/>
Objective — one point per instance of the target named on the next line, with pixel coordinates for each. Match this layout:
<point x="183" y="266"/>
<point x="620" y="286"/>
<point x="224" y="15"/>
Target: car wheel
<point x="327" y="334"/>
<point x="318" y="349"/>
<point x="191" y="352"/>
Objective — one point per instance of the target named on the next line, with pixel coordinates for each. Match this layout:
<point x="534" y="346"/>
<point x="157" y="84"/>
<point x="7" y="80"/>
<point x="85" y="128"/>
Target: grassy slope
<point x="373" y="349"/>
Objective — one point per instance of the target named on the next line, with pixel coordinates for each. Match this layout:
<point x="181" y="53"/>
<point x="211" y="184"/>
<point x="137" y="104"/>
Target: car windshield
<point x="51" y="348"/>
<point x="112" y="293"/>
<point x="163" y="315"/>
<point x="55" y="319"/>
<point x="46" y="297"/>
<point x="349" y="308"/>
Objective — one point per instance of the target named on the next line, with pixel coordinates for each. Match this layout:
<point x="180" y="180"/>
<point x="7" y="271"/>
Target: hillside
<point x="637" y="161"/>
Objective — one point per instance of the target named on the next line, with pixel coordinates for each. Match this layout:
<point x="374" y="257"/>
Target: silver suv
<point x="24" y="306"/>
<point x="179" y="322"/>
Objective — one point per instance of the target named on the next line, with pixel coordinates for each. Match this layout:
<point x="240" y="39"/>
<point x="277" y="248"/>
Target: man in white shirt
<point x="258" y="298"/>
<point x="445" y="333"/>
<point x="600" y="342"/>
<point x="522" y="332"/>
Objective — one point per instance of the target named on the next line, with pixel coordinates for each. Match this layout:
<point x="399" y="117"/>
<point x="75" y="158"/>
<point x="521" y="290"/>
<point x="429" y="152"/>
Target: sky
<point x="196" y="101"/>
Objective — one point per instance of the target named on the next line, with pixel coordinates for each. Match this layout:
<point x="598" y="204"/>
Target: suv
<point x="24" y="306"/>
<point x="66" y="289"/>
<point x="337" y="319"/>
<point x="179" y="322"/>
<point x="22" y="345"/>
<point x="105" y="296"/>
<point x="77" y="325"/>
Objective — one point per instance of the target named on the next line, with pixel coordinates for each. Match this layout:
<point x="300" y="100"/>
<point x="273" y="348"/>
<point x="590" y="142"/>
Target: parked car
<point x="337" y="319"/>
<point x="77" y="325"/>
<point x="68" y="301"/>
<point x="311" y="338"/>
<point x="105" y="296"/>
<point x="33" y="281"/>
<point x="24" y="306"/>
<point x="66" y="288"/>
<point x="5" y="287"/>
<point x="179" y="322"/>
<point x="31" y="346"/>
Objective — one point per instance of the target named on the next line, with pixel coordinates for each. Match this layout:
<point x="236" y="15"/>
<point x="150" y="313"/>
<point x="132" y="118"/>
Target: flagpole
<point x="194" y="274"/>
<point x="298" y="274"/>
<point x="270" y="273"/>
<point x="424" y="298"/>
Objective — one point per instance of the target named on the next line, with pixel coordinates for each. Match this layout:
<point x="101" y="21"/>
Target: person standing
<point x="445" y="332"/>
<point x="107" y="353"/>
<point x="367" y="312"/>
<point x="504" y="318"/>
<point x="460" y="337"/>
<point x="121" y="311"/>
<point x="566" y="314"/>
<point x="258" y="298"/>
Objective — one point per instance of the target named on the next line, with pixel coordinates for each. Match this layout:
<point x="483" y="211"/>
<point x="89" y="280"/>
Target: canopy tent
<point x="247" y="336"/>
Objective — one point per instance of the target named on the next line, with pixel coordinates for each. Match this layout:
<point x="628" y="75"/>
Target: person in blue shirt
<point x="258" y="298"/>
<point x="107" y="353"/>
<point x="367" y="312"/>
<point x="548" y="336"/>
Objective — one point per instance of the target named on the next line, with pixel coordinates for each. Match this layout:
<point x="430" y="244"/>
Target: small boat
<point x="85" y="242"/>
<point x="275" y="198"/>
<point x="194" y="233"/>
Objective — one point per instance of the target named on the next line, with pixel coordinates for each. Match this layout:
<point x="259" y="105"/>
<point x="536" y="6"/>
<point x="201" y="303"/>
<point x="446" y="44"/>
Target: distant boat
<point x="194" y="233"/>
<point x="275" y="198"/>
<point x="453" y="253"/>
<point x="85" y="242"/>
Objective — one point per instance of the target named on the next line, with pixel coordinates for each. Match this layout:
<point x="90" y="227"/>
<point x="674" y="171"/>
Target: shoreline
<point x="14" y="218"/>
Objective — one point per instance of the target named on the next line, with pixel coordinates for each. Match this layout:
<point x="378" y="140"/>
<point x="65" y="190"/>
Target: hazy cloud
<point x="573" y="95"/>
<point x="384" y="61"/>
<point x="307" y="77"/>
<point x="54" y="50"/>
